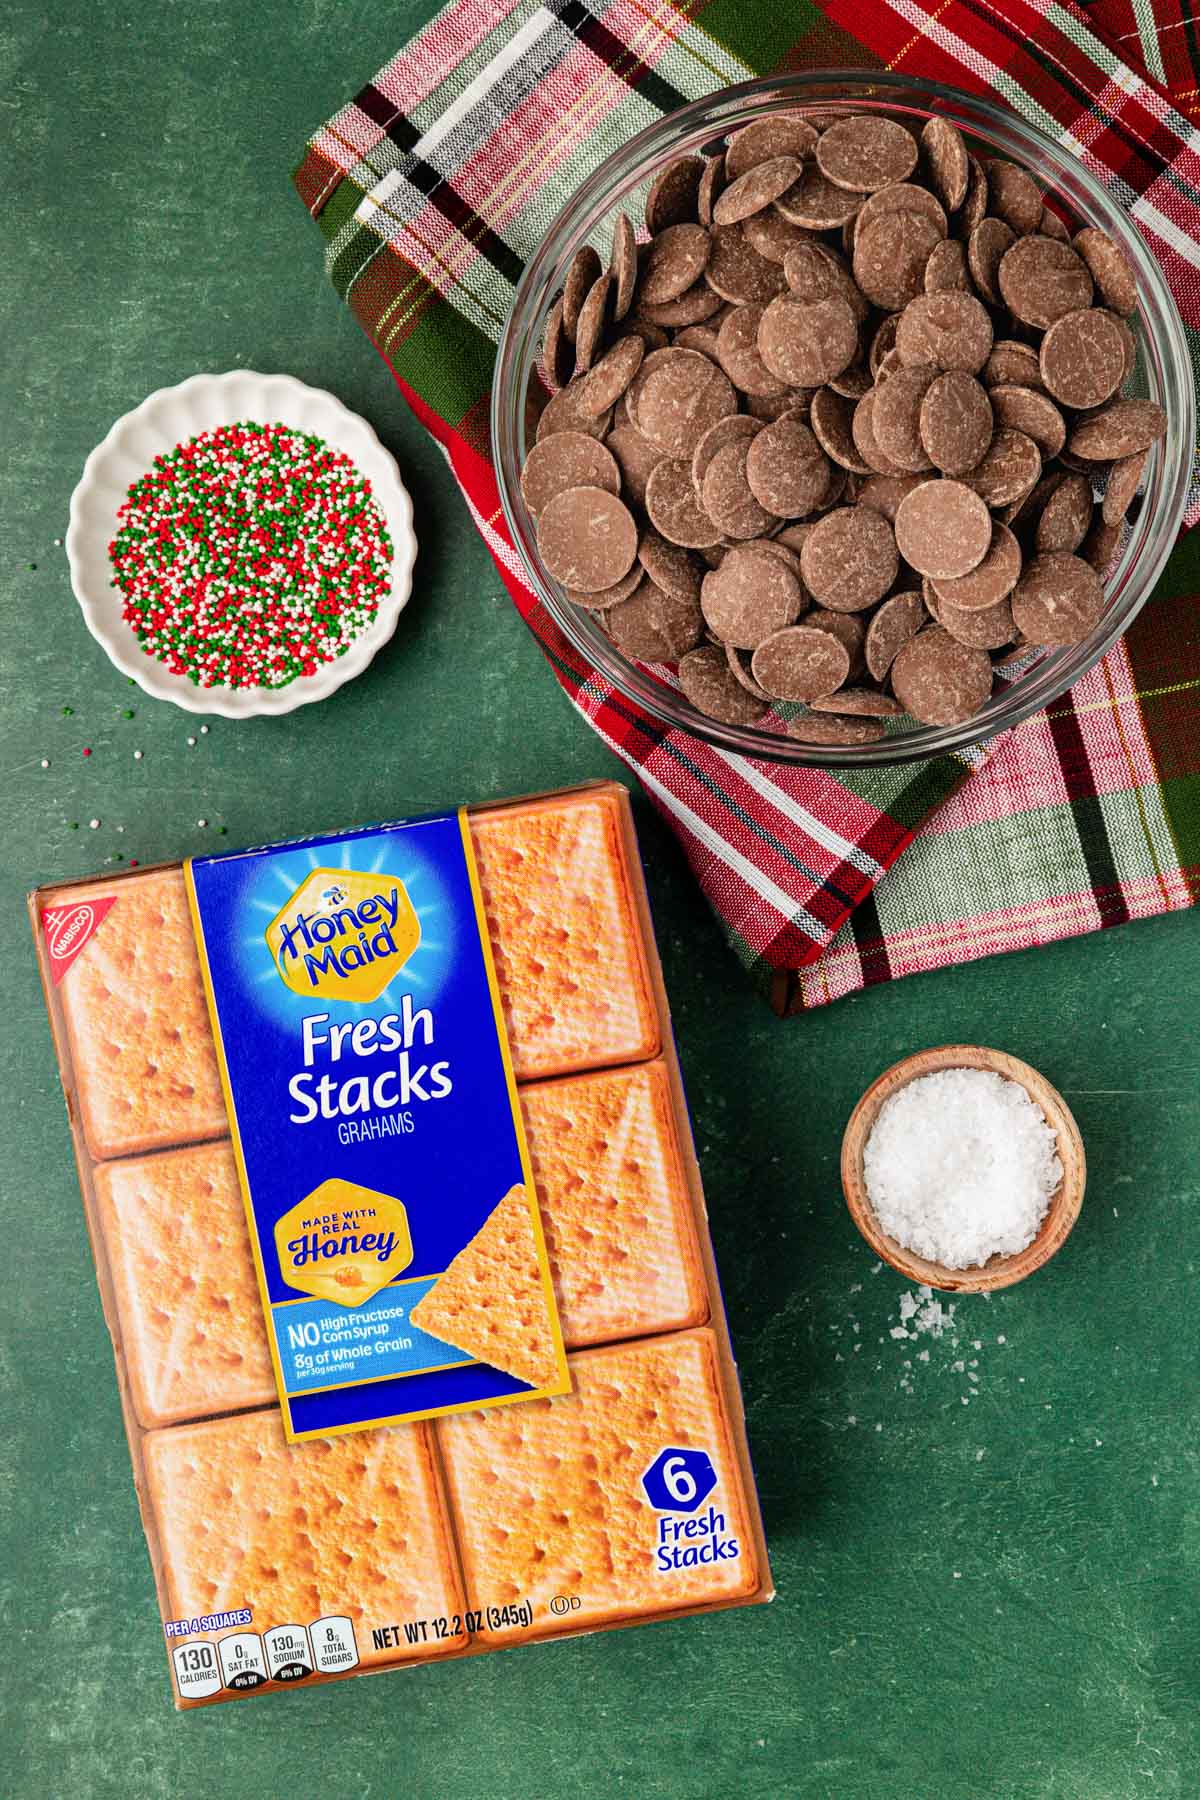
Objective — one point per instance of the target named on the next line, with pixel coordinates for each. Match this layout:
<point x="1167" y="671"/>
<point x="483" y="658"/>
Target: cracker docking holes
<point x="630" y="1497"/>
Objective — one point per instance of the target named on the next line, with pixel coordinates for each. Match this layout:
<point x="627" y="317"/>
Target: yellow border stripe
<point x="231" y="1115"/>
<point x="563" y="1385"/>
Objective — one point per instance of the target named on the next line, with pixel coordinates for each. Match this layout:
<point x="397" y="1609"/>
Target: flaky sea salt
<point x="960" y="1166"/>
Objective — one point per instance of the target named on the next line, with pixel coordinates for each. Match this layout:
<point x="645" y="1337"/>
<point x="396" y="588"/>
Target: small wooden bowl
<point x="998" y="1271"/>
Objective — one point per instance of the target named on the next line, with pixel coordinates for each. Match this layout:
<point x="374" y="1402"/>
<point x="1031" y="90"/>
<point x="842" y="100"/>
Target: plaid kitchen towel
<point x="434" y="185"/>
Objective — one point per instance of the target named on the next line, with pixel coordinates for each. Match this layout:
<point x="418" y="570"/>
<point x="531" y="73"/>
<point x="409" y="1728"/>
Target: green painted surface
<point x="1013" y="1625"/>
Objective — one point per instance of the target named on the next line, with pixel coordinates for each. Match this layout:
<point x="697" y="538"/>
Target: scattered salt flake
<point x="958" y="1574"/>
<point x="971" y="1375"/>
<point x="960" y="1166"/>
<point x="908" y="1306"/>
<point x="979" y="1455"/>
<point x="879" y="1427"/>
<point x="1154" y="1481"/>
<point x="857" y="1288"/>
<point x="922" y="1356"/>
<point x="852" y="1419"/>
<point x="898" y="1331"/>
<point x="857" y="1348"/>
<point x="839" y="1358"/>
<point x="956" y="1368"/>
<point x="877" y="1268"/>
<point x="1099" y="1443"/>
<point x="976" y="1343"/>
<point x="966" y="1399"/>
<point x="1002" y="1339"/>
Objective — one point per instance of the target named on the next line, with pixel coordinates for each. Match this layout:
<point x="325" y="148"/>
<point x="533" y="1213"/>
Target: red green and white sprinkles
<point x="250" y="555"/>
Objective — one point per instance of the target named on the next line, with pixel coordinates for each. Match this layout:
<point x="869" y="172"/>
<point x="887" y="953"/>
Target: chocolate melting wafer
<point x="884" y="341"/>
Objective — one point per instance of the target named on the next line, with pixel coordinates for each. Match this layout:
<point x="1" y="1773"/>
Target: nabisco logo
<point x="64" y="932"/>
<point x="69" y="928"/>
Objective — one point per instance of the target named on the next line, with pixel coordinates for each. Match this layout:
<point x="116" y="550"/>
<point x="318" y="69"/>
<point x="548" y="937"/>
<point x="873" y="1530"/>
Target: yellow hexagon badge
<point x="343" y="1242"/>
<point x="343" y="935"/>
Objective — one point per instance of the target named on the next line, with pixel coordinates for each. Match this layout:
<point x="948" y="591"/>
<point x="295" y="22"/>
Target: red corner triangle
<point x="69" y="927"/>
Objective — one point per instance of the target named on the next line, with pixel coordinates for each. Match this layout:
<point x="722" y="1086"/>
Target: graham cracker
<point x="615" y="1204"/>
<point x="547" y="1497"/>
<point x="565" y="936"/>
<point x="187" y="1299"/>
<point x="491" y="1300"/>
<point x="141" y="1046"/>
<point x="352" y="1526"/>
<point x="615" y="1211"/>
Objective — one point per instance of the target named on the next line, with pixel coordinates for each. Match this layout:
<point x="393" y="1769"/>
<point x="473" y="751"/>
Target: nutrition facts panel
<point x="244" y="1660"/>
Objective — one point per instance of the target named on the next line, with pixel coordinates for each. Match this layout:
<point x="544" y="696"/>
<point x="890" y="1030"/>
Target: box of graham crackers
<point x="401" y="1244"/>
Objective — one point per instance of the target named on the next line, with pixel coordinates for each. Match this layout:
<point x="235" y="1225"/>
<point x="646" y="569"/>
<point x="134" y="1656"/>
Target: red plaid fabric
<point x="433" y="186"/>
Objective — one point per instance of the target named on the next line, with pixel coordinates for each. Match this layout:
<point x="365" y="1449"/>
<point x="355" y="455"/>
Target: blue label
<point x="376" y="1123"/>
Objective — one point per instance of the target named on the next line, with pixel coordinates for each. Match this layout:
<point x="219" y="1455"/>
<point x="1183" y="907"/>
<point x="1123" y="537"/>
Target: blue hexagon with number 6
<point x="679" y="1480"/>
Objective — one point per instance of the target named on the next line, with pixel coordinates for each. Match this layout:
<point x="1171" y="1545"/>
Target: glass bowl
<point x="1163" y="373"/>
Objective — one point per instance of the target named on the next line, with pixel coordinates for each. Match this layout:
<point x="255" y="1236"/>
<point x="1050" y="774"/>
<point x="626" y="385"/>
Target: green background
<point x="994" y="1601"/>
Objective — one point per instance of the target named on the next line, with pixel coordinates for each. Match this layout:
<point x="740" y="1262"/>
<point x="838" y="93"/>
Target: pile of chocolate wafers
<point x="845" y="432"/>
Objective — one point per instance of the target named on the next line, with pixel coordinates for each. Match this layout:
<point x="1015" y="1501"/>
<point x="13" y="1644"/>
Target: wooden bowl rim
<point x="1065" y="1203"/>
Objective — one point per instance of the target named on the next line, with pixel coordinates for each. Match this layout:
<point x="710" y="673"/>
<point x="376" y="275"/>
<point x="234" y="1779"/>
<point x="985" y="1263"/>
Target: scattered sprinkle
<point x="128" y="713"/>
<point x="74" y="825"/>
<point x="202" y="822"/>
<point x="137" y="756"/>
<point x="191" y="743"/>
<point x="45" y="762"/>
<point x="204" y="731"/>
<point x="133" y="862"/>
<point x="87" y="750"/>
<point x="68" y="712"/>
<point x="94" y="824"/>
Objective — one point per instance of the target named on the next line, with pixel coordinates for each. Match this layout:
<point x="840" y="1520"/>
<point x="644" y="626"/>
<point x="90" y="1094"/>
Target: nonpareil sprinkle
<point x="960" y="1166"/>
<point x="250" y="555"/>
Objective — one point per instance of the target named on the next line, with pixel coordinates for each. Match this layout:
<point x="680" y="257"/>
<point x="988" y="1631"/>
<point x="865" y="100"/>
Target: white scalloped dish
<point x="171" y="416"/>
